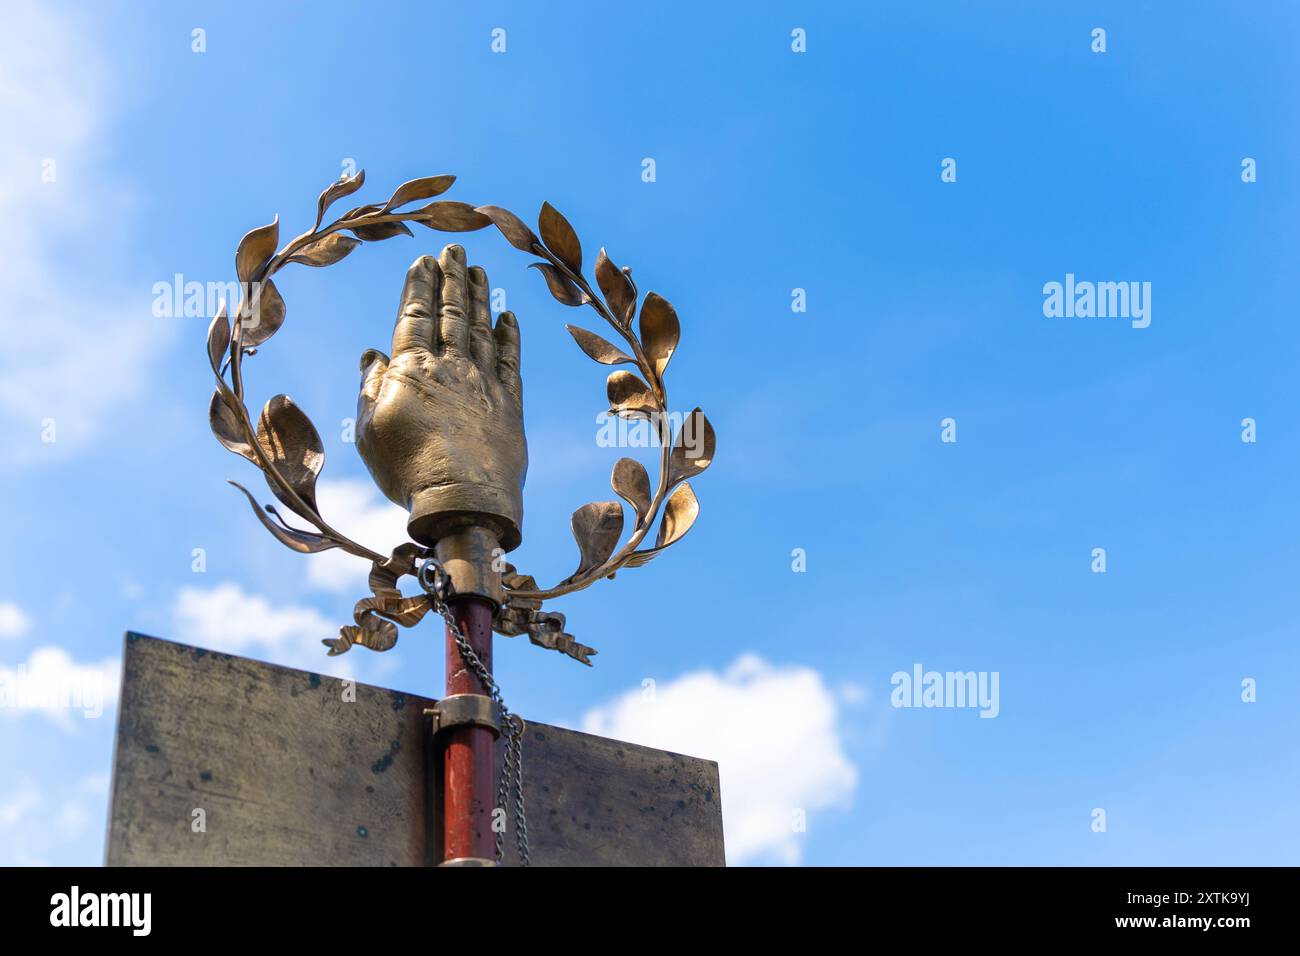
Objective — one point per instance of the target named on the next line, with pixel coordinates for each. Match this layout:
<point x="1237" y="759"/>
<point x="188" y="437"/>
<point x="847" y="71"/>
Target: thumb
<point x="374" y="364"/>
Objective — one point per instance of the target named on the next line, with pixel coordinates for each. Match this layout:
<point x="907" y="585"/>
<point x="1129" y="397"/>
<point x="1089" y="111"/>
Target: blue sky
<point x="775" y="170"/>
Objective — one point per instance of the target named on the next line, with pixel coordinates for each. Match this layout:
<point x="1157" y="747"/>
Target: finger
<point x="506" y="336"/>
<point x="454" y="303"/>
<point x="374" y="364"/>
<point x="415" y="325"/>
<point x="481" y="346"/>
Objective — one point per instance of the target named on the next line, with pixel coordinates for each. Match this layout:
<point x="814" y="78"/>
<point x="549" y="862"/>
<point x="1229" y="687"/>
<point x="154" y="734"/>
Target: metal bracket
<point x="466" y="709"/>
<point x="468" y="861"/>
<point x="469" y="559"/>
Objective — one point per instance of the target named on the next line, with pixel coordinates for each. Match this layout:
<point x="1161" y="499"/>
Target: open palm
<point x="440" y="424"/>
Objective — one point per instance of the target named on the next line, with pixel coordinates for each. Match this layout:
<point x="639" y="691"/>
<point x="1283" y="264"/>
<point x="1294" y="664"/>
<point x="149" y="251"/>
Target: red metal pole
<point x="469" y="757"/>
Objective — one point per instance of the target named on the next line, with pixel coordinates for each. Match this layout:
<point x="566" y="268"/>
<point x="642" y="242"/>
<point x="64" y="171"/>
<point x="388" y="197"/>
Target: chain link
<point x="437" y="585"/>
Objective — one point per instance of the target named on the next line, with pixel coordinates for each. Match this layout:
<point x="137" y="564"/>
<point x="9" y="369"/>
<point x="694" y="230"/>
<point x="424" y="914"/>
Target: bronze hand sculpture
<point x="440" y="424"/>
<point x="440" y="427"/>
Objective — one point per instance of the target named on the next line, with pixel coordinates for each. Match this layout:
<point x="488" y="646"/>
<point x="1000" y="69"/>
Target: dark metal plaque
<point x="225" y="761"/>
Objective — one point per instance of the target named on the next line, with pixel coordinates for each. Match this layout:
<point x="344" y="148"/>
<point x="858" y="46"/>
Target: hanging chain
<point x="437" y="585"/>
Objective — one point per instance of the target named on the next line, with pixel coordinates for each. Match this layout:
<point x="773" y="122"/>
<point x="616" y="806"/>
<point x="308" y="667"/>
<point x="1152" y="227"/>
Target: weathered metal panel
<point x="288" y="772"/>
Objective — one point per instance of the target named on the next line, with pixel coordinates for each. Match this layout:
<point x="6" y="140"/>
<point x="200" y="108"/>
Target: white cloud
<point x="358" y="510"/>
<point x="37" y="826"/>
<point x="852" y="694"/>
<point x="226" y="619"/>
<point x="774" y="732"/>
<point x="68" y="353"/>
<point x="51" y="683"/>
<point x="16" y="807"/>
<point x="13" y="622"/>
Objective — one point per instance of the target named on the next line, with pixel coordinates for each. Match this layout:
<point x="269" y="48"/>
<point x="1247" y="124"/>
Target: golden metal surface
<point x="470" y="558"/>
<point x="440" y="424"/>
<point x="457" y="710"/>
<point x="440" y="421"/>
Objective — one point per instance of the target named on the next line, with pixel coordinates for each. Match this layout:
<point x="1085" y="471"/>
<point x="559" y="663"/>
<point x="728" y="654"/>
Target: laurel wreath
<point x="286" y="447"/>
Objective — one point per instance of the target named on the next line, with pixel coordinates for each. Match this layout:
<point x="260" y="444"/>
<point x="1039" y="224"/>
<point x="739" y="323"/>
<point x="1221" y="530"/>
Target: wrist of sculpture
<point x="442" y="510"/>
<point x="470" y="559"/>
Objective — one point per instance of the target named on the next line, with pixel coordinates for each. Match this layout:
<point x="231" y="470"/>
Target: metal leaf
<point x="629" y="397"/>
<point x="425" y="188"/>
<point x="227" y="427"/>
<point x="660" y="330"/>
<point x="359" y="211"/>
<point x="325" y="251"/>
<point x="452" y="217"/>
<point x="680" y="513"/>
<point x="631" y="482"/>
<point x="265" y="317"/>
<point x="344" y="186"/>
<point x="511" y="226"/>
<point x="560" y="237"/>
<point x="688" y="462"/>
<point x="617" y="289"/>
<point x="289" y="440"/>
<point x="639" y="558"/>
<point x="256" y="249"/>
<point x="565" y="292"/>
<point x="304" y="542"/>
<point x="597" y="348"/>
<point x="218" y="339"/>
<point x="597" y="528"/>
<point x="382" y="230"/>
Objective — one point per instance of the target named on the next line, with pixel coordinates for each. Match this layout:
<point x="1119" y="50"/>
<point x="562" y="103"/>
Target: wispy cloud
<point x="225" y="618"/>
<point x="36" y="826"/>
<point x="775" y="733"/>
<point x="358" y="510"/>
<point x="71" y="351"/>
<point x="51" y="683"/>
<point x="13" y="622"/>
<point x="18" y="804"/>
